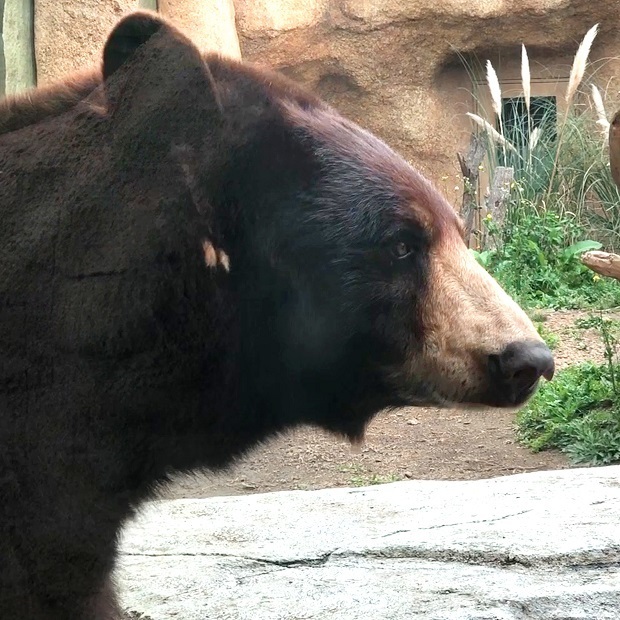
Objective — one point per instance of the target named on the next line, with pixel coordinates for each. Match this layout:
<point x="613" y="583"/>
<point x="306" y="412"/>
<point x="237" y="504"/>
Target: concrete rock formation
<point x="69" y="35"/>
<point x="396" y="66"/>
<point x="541" y="546"/>
<point x="211" y="25"/>
<point x="17" y="67"/>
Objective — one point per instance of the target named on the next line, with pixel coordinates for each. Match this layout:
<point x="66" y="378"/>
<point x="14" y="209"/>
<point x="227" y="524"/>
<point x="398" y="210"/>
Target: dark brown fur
<point x="35" y="106"/>
<point x="128" y="352"/>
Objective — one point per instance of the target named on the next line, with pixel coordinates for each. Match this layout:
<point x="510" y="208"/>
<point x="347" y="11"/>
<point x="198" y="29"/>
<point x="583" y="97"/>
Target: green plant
<point x="360" y="477"/>
<point x="608" y="331"/>
<point x="373" y="479"/>
<point x="593" y="321"/>
<point x="595" y="439"/>
<point x="536" y="259"/>
<point x="548" y="336"/>
<point x="579" y="411"/>
<point x="563" y="200"/>
<point x="538" y="317"/>
<point x="576" y="413"/>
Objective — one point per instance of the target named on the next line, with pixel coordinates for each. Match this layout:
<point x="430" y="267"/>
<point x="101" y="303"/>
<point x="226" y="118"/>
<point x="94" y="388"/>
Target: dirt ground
<point x="416" y="443"/>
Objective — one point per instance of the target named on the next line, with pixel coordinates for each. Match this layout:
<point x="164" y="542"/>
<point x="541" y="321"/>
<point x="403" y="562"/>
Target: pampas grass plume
<point x="579" y="63"/>
<point x="600" y="109"/>
<point x="525" y="77"/>
<point x="496" y="91"/>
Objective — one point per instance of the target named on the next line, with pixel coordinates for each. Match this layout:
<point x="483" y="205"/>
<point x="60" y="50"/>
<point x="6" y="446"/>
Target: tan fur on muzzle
<point x="467" y="317"/>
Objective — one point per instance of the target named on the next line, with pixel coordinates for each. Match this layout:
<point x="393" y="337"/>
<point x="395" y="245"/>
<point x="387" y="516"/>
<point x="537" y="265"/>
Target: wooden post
<point x="499" y="195"/>
<point x="470" y="169"/>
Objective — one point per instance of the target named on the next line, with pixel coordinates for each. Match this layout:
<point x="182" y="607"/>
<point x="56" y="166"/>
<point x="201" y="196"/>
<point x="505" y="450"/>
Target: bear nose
<point x="517" y="369"/>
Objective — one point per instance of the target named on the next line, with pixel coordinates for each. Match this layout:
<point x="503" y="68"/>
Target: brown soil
<point x="416" y="443"/>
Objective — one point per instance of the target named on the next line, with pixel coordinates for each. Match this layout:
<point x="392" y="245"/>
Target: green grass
<point x="360" y="477"/>
<point x="578" y="412"/>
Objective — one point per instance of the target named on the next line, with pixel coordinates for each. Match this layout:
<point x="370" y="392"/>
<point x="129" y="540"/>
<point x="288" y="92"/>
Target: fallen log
<point x="603" y="263"/>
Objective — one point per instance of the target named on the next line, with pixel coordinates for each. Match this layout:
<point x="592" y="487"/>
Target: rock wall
<point x="396" y="66"/>
<point x="69" y="35"/>
<point x="210" y="24"/>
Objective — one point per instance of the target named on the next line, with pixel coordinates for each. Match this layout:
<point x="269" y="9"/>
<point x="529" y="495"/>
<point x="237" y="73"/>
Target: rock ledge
<point x="541" y="546"/>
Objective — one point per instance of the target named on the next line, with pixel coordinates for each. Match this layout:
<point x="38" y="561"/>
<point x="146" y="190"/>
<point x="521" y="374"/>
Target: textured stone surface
<point x="541" y="546"/>
<point x="70" y="35"/>
<point x="261" y="17"/>
<point x="210" y="24"/>
<point x="394" y="65"/>
<point x="377" y="13"/>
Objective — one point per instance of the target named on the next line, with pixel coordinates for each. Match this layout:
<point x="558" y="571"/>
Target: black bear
<point x="196" y="254"/>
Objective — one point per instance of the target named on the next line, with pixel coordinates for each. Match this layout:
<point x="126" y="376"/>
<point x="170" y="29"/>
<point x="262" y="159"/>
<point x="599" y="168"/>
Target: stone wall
<point x="70" y="35"/>
<point x="395" y="66"/>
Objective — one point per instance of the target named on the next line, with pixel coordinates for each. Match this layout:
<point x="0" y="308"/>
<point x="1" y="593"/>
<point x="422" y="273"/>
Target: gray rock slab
<point x="543" y="545"/>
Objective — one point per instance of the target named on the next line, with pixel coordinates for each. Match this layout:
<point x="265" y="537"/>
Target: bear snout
<point x="516" y="371"/>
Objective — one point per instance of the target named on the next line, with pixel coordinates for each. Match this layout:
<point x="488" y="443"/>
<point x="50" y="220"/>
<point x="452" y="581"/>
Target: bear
<point x="197" y="254"/>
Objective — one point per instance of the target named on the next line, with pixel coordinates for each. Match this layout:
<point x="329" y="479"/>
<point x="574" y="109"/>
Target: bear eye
<point x="401" y="250"/>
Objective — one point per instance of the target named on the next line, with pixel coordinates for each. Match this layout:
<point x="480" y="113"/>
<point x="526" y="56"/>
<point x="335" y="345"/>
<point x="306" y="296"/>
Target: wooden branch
<point x="602" y="262"/>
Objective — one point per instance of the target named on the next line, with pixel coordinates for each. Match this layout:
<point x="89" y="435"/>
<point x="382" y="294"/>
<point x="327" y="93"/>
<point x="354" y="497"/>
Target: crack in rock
<point x="606" y="558"/>
<point x="475" y="521"/>
<point x="241" y="580"/>
<point x="317" y="561"/>
<point x="453" y="556"/>
<point x="442" y="525"/>
<point x="490" y="558"/>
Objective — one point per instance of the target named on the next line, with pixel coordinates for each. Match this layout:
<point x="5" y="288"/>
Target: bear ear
<point x="157" y="85"/>
<point x="128" y="35"/>
<point x="147" y="63"/>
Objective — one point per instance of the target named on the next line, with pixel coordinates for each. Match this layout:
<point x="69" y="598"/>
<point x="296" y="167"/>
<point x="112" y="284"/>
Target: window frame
<point x="513" y="87"/>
